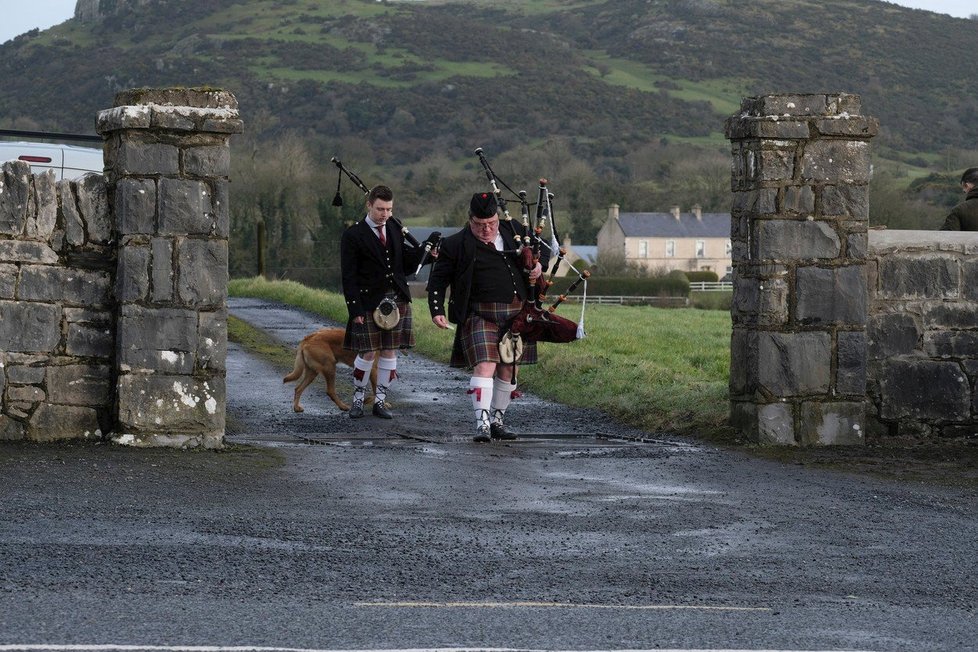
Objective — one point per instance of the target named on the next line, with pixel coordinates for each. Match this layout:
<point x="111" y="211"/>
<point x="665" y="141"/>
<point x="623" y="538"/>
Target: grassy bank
<point x="664" y="370"/>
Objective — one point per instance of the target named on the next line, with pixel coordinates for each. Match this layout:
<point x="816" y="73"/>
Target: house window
<point x="701" y="248"/>
<point x="670" y="248"/>
<point x="643" y="248"/>
<point x="729" y="247"/>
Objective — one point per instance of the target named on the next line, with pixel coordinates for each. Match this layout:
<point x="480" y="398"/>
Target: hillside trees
<point x="278" y="191"/>
<point x="891" y="205"/>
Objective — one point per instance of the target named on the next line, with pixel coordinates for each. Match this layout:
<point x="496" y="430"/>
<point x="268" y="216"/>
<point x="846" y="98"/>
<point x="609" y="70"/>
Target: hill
<point x="431" y="76"/>
<point x="615" y="100"/>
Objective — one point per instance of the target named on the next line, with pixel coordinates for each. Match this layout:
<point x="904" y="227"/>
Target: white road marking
<point x="558" y="605"/>
<point x="218" y="648"/>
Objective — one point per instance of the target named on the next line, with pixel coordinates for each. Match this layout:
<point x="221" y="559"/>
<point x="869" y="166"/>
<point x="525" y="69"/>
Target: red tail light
<point x="35" y="159"/>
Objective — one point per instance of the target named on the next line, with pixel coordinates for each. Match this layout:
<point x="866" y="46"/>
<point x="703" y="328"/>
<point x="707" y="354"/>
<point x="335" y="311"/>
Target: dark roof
<point x="665" y="225"/>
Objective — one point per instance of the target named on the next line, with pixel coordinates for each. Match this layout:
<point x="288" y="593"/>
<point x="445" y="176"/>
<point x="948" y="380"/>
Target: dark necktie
<point x="383" y="238"/>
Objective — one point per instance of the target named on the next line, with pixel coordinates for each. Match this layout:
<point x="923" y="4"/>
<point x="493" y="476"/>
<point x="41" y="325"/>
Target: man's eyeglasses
<point x="484" y="225"/>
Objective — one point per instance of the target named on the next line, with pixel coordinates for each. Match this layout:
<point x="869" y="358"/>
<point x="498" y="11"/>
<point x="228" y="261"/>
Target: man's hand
<point x="440" y="321"/>
<point x="358" y="320"/>
<point x="536" y="272"/>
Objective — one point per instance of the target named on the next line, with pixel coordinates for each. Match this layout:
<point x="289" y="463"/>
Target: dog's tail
<point x="297" y="370"/>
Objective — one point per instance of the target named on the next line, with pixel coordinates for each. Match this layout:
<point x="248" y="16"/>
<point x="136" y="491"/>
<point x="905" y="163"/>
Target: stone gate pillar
<point x="167" y="165"/>
<point x="801" y="169"/>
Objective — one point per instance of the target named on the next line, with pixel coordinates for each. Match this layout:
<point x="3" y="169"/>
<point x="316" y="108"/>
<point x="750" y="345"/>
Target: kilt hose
<point x="478" y="339"/>
<point x="370" y="337"/>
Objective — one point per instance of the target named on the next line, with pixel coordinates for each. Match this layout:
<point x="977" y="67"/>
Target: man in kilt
<point x="488" y="284"/>
<point x="374" y="262"/>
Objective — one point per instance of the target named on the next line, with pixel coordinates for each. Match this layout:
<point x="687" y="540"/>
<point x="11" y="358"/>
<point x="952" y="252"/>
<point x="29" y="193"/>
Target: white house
<point x="694" y="241"/>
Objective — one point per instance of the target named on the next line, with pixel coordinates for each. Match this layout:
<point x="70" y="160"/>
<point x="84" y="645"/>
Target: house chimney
<point x="613" y="212"/>
<point x="698" y="212"/>
<point x="675" y="212"/>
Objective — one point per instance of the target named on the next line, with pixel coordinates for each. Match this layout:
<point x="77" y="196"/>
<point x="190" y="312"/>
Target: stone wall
<point x="57" y="326"/>
<point x="112" y="289"/>
<point x="923" y="333"/>
<point x="840" y="332"/>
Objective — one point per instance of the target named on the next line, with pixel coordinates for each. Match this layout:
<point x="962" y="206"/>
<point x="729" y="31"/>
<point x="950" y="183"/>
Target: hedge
<point x="704" y="276"/>
<point x="661" y="286"/>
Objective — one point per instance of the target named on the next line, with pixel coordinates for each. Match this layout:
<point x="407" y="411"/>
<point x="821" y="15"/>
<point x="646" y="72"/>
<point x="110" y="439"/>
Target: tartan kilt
<point x="370" y="337"/>
<point x="478" y="339"/>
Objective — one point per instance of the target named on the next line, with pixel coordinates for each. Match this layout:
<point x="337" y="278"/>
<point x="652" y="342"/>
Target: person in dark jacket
<point x="964" y="216"/>
<point x="374" y="262"/>
<point x="489" y="284"/>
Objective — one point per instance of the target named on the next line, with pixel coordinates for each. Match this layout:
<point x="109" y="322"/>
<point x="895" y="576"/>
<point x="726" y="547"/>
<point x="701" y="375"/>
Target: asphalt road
<point x="315" y="531"/>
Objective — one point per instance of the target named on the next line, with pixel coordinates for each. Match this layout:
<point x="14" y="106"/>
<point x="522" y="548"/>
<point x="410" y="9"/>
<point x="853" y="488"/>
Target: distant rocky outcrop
<point x="90" y="11"/>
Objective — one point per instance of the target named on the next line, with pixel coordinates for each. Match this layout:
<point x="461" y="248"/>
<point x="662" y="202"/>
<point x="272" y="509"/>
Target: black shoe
<point x="356" y="410"/>
<point x="482" y="435"/>
<point x="498" y="431"/>
<point x="380" y="410"/>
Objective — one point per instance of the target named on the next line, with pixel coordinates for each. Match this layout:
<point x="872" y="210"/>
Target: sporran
<point x="386" y="315"/>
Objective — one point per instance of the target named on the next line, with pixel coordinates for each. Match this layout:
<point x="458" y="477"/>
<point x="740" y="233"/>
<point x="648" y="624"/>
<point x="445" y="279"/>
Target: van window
<point x="67" y="161"/>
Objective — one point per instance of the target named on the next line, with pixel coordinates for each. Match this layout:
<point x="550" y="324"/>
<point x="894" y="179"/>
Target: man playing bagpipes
<point x="489" y="286"/>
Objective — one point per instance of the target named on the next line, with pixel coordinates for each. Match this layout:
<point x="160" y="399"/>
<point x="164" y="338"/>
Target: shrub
<point x="704" y="276"/>
<point x="659" y="286"/>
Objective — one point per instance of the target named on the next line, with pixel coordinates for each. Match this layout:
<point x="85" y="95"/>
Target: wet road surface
<point x="324" y="533"/>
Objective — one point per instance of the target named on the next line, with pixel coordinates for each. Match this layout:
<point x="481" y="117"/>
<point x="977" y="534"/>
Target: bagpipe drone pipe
<point x="535" y="322"/>
<point x="427" y="245"/>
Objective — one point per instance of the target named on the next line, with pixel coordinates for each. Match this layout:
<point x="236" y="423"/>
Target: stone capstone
<point x="834" y="161"/>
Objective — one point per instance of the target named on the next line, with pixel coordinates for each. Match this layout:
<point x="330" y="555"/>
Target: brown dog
<point x="318" y="354"/>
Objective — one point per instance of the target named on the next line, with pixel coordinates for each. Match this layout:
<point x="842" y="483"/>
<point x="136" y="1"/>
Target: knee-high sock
<point x="386" y="375"/>
<point x="502" y="396"/>
<point x="481" y="391"/>
<point x="361" y="376"/>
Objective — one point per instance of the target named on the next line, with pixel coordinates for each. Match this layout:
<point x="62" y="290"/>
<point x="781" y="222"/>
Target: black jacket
<point x="455" y="265"/>
<point x="964" y="216"/>
<point x="369" y="270"/>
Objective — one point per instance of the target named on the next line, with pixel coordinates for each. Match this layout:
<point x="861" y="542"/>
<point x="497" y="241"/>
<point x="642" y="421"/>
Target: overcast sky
<point x="18" y="16"/>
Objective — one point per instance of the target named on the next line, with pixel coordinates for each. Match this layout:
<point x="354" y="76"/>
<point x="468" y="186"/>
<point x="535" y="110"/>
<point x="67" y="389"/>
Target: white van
<point x="67" y="161"/>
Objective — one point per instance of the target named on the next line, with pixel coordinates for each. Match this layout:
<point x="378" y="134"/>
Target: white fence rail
<point x="710" y="285"/>
<point x="627" y="300"/>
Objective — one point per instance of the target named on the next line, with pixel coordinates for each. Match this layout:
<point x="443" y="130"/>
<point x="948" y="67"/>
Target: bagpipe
<point x="430" y="243"/>
<point x="534" y="322"/>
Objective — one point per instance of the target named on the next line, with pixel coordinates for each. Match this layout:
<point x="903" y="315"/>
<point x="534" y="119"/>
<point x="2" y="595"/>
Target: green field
<point x="663" y="370"/>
